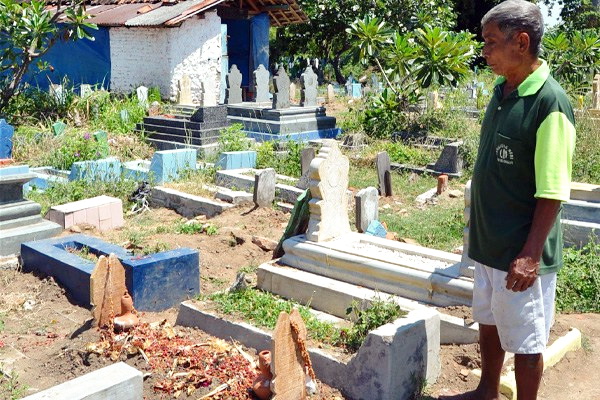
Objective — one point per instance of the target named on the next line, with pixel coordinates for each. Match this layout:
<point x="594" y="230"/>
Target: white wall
<point x="160" y="57"/>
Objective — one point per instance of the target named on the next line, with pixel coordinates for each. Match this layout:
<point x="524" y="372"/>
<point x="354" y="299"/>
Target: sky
<point x="554" y="18"/>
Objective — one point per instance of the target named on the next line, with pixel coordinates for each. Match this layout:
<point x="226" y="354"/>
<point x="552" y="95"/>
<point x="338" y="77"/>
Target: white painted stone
<point x="184" y="95"/>
<point x="328" y="186"/>
<point x="367" y="208"/>
<point x="330" y="93"/>
<point x="85" y="90"/>
<point x="160" y="56"/>
<point x="142" y="95"/>
<point x="117" y="381"/>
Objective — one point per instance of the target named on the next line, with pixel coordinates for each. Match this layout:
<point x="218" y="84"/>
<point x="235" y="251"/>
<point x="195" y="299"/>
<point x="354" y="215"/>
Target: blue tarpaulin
<point x="260" y="41"/>
<point x="81" y="61"/>
<point x="238" y="46"/>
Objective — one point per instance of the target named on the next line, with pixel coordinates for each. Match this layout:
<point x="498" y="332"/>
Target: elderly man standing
<point x="522" y="174"/>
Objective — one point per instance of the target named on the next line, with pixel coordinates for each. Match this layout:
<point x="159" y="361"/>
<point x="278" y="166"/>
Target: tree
<point x="28" y="31"/>
<point x="325" y="36"/>
<point x="578" y="14"/>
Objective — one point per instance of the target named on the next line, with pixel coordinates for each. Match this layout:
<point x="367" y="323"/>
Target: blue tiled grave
<point x="236" y="159"/>
<point x="156" y="282"/>
<point x="6" y="139"/>
<point x="166" y="166"/>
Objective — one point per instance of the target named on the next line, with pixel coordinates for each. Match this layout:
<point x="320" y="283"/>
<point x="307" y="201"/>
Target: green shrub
<point x="586" y="167"/>
<point x="34" y="105"/>
<point x="233" y="138"/>
<point x="578" y="286"/>
<point x="286" y="164"/>
<point x="405" y="154"/>
<point x="75" y="147"/>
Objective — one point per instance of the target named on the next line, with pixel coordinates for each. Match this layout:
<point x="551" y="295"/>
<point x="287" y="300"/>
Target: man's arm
<point x="525" y="268"/>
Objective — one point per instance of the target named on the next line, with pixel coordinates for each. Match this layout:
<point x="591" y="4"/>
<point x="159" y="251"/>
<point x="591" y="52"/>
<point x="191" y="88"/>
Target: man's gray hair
<point x="513" y="16"/>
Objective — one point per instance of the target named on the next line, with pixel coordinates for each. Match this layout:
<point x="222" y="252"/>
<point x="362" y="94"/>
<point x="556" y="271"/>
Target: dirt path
<point x="43" y="336"/>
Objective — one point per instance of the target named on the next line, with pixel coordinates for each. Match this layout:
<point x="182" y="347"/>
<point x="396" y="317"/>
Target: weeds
<point x="10" y="387"/>
<point x="578" y="286"/>
<point x="233" y="138"/>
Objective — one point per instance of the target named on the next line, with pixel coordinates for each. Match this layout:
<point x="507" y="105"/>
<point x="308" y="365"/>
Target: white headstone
<point x="209" y="93"/>
<point x="293" y="92"/>
<point x="328" y="188"/>
<point x="57" y="92"/>
<point x="85" y="90"/>
<point x="330" y="93"/>
<point x="142" y="95"/>
<point x="185" y="90"/>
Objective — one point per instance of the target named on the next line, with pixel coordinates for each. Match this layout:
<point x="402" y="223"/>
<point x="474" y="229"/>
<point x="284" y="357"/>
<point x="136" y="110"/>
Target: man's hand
<point x="522" y="273"/>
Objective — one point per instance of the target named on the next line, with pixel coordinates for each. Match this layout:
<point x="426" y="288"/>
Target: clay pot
<point x="127" y="319"/>
<point x="262" y="384"/>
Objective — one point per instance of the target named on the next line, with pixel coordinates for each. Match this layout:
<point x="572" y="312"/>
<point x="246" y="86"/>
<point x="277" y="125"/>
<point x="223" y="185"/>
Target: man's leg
<point x="528" y="373"/>
<point x="492" y="358"/>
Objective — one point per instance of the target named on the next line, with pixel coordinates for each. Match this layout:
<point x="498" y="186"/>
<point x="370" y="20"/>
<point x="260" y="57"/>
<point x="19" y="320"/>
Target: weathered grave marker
<point x="142" y="95"/>
<point x="85" y="90"/>
<point x="308" y="80"/>
<point x="107" y="286"/>
<point x="281" y="97"/>
<point x="261" y="84"/>
<point x="233" y="94"/>
<point x="185" y="90"/>
<point x="306" y="156"/>
<point x="6" y="139"/>
<point x="287" y="364"/>
<point x="384" y="174"/>
<point x="328" y="188"/>
<point x="264" y="187"/>
<point x="367" y="208"/>
<point x="209" y="93"/>
<point x="57" y="92"/>
<point x="124" y="116"/>
<point x="293" y="89"/>
<point x="58" y="128"/>
<point x="330" y="93"/>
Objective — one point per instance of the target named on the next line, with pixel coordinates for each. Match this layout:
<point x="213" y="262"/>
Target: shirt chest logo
<point x="504" y="154"/>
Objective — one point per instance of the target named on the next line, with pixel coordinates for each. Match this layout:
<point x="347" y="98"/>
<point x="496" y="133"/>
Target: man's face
<point x="501" y="51"/>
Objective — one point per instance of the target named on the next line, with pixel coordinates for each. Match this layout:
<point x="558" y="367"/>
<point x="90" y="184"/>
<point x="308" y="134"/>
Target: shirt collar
<point x="532" y="84"/>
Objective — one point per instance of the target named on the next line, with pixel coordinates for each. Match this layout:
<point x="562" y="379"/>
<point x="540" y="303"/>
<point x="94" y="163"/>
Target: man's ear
<point x="524" y="42"/>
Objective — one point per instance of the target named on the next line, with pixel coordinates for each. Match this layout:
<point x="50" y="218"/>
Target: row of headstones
<point x="281" y="82"/>
<point x="86" y="90"/>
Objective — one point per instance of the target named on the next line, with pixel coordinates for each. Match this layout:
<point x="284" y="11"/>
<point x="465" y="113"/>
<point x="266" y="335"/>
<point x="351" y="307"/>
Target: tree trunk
<point x="339" y="77"/>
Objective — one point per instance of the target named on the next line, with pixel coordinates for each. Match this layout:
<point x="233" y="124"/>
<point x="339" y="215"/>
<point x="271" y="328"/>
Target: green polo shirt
<point x="525" y="151"/>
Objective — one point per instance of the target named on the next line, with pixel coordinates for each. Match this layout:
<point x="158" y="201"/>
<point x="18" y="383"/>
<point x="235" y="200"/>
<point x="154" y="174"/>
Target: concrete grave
<point x="308" y="81"/>
<point x="382" y="163"/>
<point x="239" y="180"/>
<point x="155" y="281"/>
<point x="6" y="139"/>
<point x="106" y="169"/>
<point x="142" y="95"/>
<point x="281" y="97"/>
<point x="85" y="90"/>
<point x="20" y="219"/>
<point x="367" y="208"/>
<point x="450" y="160"/>
<point x="103" y="212"/>
<point x="328" y="187"/>
<point x="411" y="342"/>
<point x="236" y="159"/>
<point x="165" y="166"/>
<point x="185" y="90"/>
<point x="264" y="187"/>
<point x="261" y="85"/>
<point x="58" y="128"/>
<point x="107" y="285"/>
<point x="188" y="205"/>
<point x="117" y="381"/>
<point x="233" y="94"/>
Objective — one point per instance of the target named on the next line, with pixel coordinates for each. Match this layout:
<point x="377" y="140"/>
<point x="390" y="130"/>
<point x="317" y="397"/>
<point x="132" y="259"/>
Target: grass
<point x="194" y="182"/>
<point x="578" y="286"/>
<point x="586" y="167"/>
<point x="10" y="388"/>
<point x="438" y="226"/>
<point x="263" y="309"/>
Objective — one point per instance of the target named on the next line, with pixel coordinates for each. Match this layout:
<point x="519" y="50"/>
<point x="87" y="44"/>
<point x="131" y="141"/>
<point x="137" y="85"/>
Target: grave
<point x="367" y="208"/>
<point x="6" y="139"/>
<point x="236" y="159"/>
<point x="20" y="219"/>
<point x="185" y="204"/>
<point x="279" y="121"/>
<point x="187" y="127"/>
<point x="155" y="281"/>
<point x="239" y="179"/>
<point x="165" y="166"/>
<point x="184" y="96"/>
<point x="106" y="169"/>
<point x="264" y="187"/>
<point x="103" y="212"/>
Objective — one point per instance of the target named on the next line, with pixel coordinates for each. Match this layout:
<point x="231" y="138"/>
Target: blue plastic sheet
<point x="81" y="61"/>
<point x="238" y="46"/>
<point x="260" y="40"/>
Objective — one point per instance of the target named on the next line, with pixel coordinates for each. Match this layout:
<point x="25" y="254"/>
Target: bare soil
<point x="43" y="336"/>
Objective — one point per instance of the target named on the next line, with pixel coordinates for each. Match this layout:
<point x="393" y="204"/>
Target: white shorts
<point x="523" y="319"/>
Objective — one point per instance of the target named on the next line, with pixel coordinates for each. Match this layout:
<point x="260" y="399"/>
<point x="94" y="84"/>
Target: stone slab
<point x="186" y="204"/>
<point x="116" y="382"/>
<point x="236" y="159"/>
<point x="366" y="207"/>
<point x="156" y="281"/>
<point x="234" y="196"/>
<point x="584" y="211"/>
<point x="237" y="179"/>
<point x="335" y="297"/>
<point x="210" y="114"/>
<point x="103" y="212"/>
<point x="12" y="239"/>
<point x="578" y="233"/>
<point x="165" y="166"/>
<point x="412" y="342"/>
<point x="107" y="286"/>
<point x="585" y="192"/>
<point x="287" y="366"/>
<point x="264" y="187"/>
<point x="107" y="169"/>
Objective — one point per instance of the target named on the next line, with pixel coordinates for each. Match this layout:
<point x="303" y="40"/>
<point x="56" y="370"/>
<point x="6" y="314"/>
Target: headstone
<point x="450" y="160"/>
<point x="102" y="138"/>
<point x="261" y="84"/>
<point x="57" y="92"/>
<point x="264" y="187"/>
<point x="330" y="93"/>
<point x="308" y="80"/>
<point x="287" y="365"/>
<point x="596" y="93"/>
<point x="185" y="90"/>
<point x="356" y="90"/>
<point x="349" y="84"/>
<point x="85" y="90"/>
<point x="328" y="188"/>
<point x="142" y="95"/>
<point x="306" y="157"/>
<point x="367" y="208"/>
<point x="124" y="114"/>
<point x="281" y="97"/>
<point x="107" y="286"/>
<point x="58" y="128"/>
<point x="6" y="139"/>
<point x="293" y="89"/>
<point x="209" y="93"/>
<point x="233" y="93"/>
<point x="384" y="174"/>
<point x="442" y="184"/>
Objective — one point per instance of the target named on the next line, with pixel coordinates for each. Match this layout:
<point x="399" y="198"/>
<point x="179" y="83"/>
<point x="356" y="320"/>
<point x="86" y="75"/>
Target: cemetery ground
<point x="44" y="338"/>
